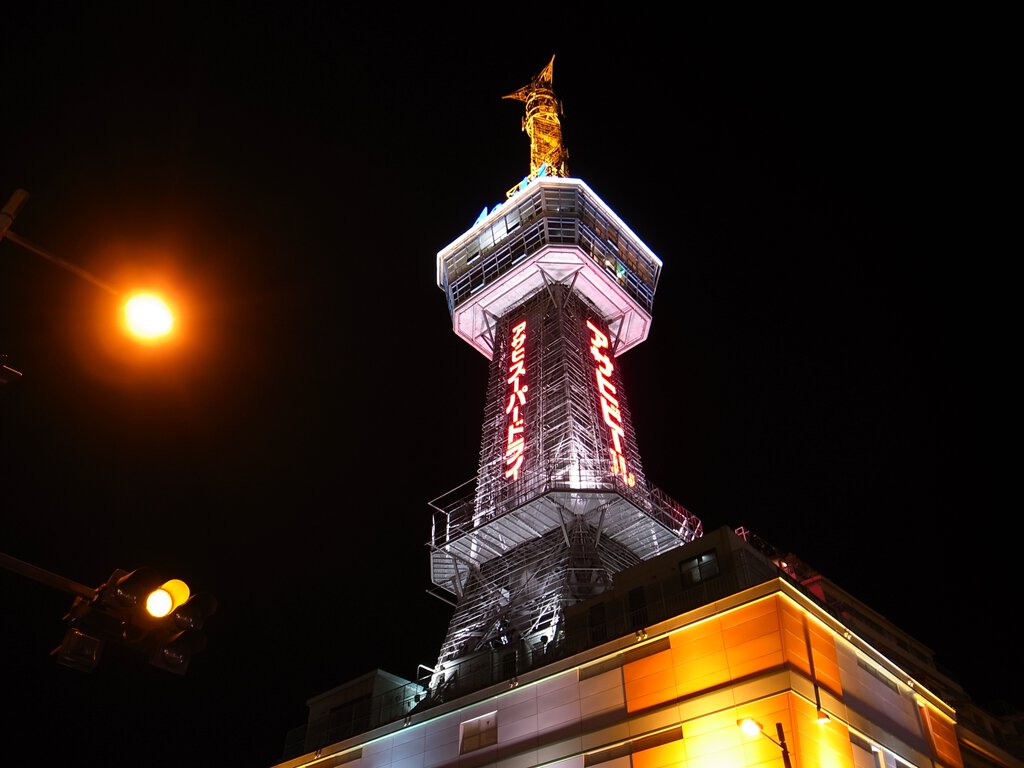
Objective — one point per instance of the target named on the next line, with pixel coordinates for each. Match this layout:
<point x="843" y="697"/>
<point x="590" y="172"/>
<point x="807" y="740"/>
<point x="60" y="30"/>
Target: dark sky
<point x="822" y="366"/>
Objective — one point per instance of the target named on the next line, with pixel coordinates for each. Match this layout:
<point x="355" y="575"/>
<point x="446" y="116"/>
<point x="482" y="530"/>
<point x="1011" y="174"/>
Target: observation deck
<point x="552" y="230"/>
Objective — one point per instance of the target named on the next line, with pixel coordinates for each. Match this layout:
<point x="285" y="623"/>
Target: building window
<point x="478" y="733"/>
<point x="872" y="755"/>
<point x="699" y="568"/>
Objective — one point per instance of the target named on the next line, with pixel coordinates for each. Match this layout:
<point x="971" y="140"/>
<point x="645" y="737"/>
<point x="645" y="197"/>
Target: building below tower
<point x="659" y="671"/>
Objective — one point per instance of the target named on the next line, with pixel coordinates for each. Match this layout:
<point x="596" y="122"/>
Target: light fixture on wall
<point x="751" y="727"/>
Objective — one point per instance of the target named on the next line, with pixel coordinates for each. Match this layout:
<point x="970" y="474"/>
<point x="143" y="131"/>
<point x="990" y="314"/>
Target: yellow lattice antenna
<point x="547" y="153"/>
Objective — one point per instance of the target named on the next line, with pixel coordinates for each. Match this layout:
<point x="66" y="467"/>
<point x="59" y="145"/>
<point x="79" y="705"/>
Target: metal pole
<point x="46" y="577"/>
<point x="7" y="215"/>
<point x="782" y="743"/>
<point x="810" y="662"/>
<point x="7" y="374"/>
<point x="10" y="210"/>
<point x="29" y="246"/>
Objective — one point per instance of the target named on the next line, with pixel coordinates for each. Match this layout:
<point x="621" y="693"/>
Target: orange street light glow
<point x="749" y="726"/>
<point x="147" y="316"/>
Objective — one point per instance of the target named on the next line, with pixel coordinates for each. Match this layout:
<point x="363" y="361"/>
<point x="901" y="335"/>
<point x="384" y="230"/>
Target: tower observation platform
<point x="554" y="230"/>
<point x="551" y="286"/>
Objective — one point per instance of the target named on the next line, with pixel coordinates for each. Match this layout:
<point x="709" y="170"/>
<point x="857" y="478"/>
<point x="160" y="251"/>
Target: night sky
<point x="823" y="365"/>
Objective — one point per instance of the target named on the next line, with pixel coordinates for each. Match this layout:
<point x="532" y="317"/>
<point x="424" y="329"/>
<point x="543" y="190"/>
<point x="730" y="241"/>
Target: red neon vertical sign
<point x="516" y="402"/>
<point x="609" y="404"/>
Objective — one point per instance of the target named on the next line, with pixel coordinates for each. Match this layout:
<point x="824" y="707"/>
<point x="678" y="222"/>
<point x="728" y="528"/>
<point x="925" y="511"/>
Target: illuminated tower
<point x="551" y="287"/>
<point x="595" y="623"/>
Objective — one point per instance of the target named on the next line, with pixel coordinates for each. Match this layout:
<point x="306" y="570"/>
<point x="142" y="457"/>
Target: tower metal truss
<point x="552" y="287"/>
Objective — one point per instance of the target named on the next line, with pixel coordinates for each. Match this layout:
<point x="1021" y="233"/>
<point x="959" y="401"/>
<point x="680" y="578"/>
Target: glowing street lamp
<point x="751" y="727"/>
<point x="146" y="316"/>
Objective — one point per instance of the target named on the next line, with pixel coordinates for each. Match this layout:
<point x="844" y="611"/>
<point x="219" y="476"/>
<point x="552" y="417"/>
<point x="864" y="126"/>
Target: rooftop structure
<point x="659" y="669"/>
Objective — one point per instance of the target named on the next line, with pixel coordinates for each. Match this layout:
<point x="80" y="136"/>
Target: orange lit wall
<point x="752" y="639"/>
<point x="709" y="653"/>
<point x="738" y="664"/>
<point x="942" y="734"/>
<point x="740" y="646"/>
<point x="715" y="741"/>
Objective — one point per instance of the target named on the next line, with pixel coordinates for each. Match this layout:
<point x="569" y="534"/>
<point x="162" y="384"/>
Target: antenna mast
<point x="548" y="156"/>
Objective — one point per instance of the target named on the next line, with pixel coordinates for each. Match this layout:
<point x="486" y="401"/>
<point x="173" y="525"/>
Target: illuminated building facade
<point x="595" y="623"/>
<point x="660" y="670"/>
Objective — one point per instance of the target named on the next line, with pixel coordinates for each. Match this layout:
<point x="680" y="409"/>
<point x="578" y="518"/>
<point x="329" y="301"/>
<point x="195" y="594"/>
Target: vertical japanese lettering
<point x="516" y="406"/>
<point x="610" y="412"/>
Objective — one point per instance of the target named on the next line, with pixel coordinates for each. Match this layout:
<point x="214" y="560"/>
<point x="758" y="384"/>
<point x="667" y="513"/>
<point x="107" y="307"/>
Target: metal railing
<point x="488" y="667"/>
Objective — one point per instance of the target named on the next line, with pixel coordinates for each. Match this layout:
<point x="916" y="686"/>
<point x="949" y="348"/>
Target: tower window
<point x="699" y="568"/>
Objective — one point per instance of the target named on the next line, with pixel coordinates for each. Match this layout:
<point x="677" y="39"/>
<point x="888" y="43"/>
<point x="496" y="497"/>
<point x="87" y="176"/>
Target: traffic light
<point x="182" y="636"/>
<point x="126" y="592"/>
<point x="88" y="632"/>
<point x="161" y="619"/>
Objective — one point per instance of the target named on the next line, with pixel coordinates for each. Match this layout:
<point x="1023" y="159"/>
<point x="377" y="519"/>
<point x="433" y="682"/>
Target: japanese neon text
<point x="515" y="409"/>
<point x="609" y="404"/>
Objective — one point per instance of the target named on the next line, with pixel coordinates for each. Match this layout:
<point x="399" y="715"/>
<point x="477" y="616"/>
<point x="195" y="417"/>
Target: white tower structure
<point x="551" y="286"/>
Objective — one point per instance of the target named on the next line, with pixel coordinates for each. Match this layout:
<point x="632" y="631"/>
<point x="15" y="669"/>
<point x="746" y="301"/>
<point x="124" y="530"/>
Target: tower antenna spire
<point x="548" y="155"/>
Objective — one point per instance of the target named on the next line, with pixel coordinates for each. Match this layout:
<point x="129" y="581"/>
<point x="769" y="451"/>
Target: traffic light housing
<point x="182" y="637"/>
<point x="160" y="619"/>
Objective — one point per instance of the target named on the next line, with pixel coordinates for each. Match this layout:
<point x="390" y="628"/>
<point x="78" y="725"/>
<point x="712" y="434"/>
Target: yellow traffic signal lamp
<point x="139" y="609"/>
<point x="165" y="598"/>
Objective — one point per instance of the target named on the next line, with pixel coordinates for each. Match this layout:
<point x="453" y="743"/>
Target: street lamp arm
<point x="778" y="744"/>
<point x="45" y="577"/>
<point x="30" y="246"/>
<point x="146" y="316"/>
<point x="7" y="215"/>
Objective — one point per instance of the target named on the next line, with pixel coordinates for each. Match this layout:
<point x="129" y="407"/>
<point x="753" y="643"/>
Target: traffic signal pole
<point x="46" y="577"/>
